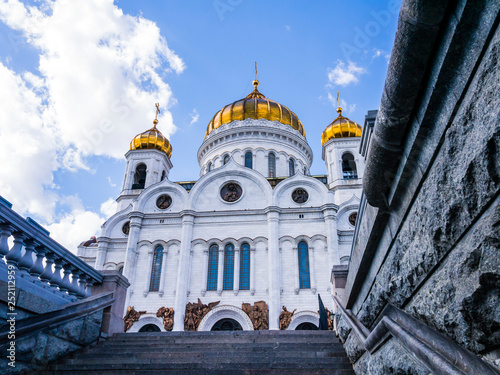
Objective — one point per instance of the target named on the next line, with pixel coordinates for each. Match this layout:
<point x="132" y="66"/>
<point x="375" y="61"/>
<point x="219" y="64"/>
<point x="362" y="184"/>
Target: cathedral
<point x="251" y="243"/>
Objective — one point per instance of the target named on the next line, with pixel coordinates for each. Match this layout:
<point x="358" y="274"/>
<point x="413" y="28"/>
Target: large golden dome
<point x="341" y="127"/>
<point x="255" y="106"/>
<point x="151" y="139"/>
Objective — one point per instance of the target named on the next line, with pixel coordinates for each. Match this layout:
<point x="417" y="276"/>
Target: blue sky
<point x="81" y="79"/>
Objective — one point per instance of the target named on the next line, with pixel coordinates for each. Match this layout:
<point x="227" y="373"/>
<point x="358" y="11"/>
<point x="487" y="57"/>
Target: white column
<point x="102" y="249"/>
<point x="329" y="215"/>
<point x="252" y="270"/>
<point x="312" y="269"/>
<point x="274" y="267"/>
<point x="220" y="273"/>
<point x="296" y="270"/>
<point x="236" y="280"/>
<point x="150" y="266"/>
<point x="183" y="270"/>
<point x="133" y="238"/>
<point x="163" y="274"/>
<point x="204" y="272"/>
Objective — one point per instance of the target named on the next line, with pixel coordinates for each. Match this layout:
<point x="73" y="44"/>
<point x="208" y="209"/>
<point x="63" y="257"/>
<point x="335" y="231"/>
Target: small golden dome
<point x="152" y="139"/>
<point x="255" y="106"/>
<point x="341" y="127"/>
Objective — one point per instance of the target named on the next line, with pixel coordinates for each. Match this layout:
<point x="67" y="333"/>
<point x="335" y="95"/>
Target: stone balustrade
<point x="40" y="261"/>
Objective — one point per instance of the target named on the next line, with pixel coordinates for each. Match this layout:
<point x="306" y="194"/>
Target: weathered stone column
<point x="236" y="279"/>
<point x="183" y="270"/>
<point x="220" y="273"/>
<point x="133" y="238"/>
<point x="102" y="249"/>
<point x="163" y="273"/>
<point x="274" y="267"/>
<point x="148" y="279"/>
<point x="312" y="269"/>
<point x="252" y="270"/>
<point x="296" y="269"/>
<point x="204" y="272"/>
<point x="329" y="214"/>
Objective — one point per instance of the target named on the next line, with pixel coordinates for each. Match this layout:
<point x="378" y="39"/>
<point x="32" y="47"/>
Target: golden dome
<point x="341" y="127"/>
<point x="255" y="106"/>
<point x="152" y="139"/>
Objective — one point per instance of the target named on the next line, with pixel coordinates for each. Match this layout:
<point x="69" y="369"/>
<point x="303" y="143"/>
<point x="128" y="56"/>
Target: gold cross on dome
<point x="157" y="110"/>
<point x="256" y="70"/>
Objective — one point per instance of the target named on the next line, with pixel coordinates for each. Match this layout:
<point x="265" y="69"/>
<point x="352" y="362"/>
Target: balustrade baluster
<point x="88" y="284"/>
<point x="56" y="280"/>
<point x="37" y="268"/>
<point x="5" y="232"/>
<point x="66" y="283"/>
<point x="15" y="254"/>
<point x="26" y="262"/>
<point x="81" y="281"/>
<point x="75" y="288"/>
<point x="47" y="274"/>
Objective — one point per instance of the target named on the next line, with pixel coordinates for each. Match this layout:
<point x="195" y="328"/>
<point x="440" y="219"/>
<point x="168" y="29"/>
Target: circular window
<point x="126" y="228"/>
<point x="164" y="201"/>
<point x="231" y="192"/>
<point x="352" y="218"/>
<point x="300" y="195"/>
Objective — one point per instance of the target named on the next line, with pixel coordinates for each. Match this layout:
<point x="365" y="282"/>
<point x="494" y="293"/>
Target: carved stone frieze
<point x="195" y="313"/>
<point x="131" y="317"/>
<point x="167" y="313"/>
<point x="258" y="314"/>
<point x="285" y="318"/>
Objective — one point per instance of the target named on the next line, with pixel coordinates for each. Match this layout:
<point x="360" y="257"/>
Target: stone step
<point x="222" y="339"/>
<point x="263" y="371"/>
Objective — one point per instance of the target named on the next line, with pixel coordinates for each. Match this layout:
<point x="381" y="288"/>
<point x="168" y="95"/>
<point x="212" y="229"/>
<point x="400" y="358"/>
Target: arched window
<point x="249" y="160"/>
<point x="304" y="277"/>
<point x="139" y="177"/>
<point x="305" y="171"/>
<point x="228" y="267"/>
<point x="291" y="167"/>
<point x="245" y="267"/>
<point x="163" y="174"/>
<point x="349" y="171"/>
<point x="154" y="284"/>
<point x="209" y="167"/>
<point x="226" y="159"/>
<point x="213" y="267"/>
<point x="272" y="165"/>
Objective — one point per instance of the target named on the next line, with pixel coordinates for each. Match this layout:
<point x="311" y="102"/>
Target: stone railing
<point x="40" y="264"/>
<point x="437" y="352"/>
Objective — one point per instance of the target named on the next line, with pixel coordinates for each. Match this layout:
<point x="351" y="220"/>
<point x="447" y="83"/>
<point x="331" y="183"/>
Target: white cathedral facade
<point x="255" y="226"/>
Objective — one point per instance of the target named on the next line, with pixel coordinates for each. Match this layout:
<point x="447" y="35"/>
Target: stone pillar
<point x="183" y="270"/>
<point x="133" y="238"/>
<point x="252" y="270"/>
<point x="274" y="267"/>
<point x="112" y="319"/>
<point x="312" y="269"/>
<point x="148" y="279"/>
<point x="102" y="249"/>
<point x="296" y="270"/>
<point x="163" y="273"/>
<point x="236" y="279"/>
<point x="204" y="272"/>
<point x="329" y="214"/>
<point x="220" y="273"/>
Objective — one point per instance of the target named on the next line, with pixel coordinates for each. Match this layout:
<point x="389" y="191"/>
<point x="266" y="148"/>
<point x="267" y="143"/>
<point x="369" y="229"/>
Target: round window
<point x="300" y="195"/>
<point x="231" y="192"/>
<point x="164" y="201"/>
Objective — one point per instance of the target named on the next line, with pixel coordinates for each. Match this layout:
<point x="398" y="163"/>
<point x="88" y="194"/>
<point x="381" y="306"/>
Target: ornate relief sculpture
<point x="131" y="317"/>
<point x="168" y="317"/>
<point x="329" y="319"/>
<point x="258" y="314"/>
<point x="195" y="313"/>
<point x="286" y="318"/>
<point x="300" y="195"/>
<point x="231" y="192"/>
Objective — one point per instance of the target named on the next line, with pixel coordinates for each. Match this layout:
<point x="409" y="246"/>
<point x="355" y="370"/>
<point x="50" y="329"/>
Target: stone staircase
<point x="237" y="352"/>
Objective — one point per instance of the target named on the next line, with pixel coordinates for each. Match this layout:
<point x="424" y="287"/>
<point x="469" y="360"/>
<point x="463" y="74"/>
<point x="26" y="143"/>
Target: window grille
<point x="213" y="267"/>
<point x="304" y="277"/>
<point x="154" y="284"/>
<point x="245" y="267"/>
<point x="228" y="267"/>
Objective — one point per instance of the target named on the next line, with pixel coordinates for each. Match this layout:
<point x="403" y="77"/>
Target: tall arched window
<point x="304" y="277"/>
<point x="249" y="160"/>
<point x="272" y="165"/>
<point x="349" y="167"/>
<point x="154" y="284"/>
<point x="139" y="177"/>
<point x="228" y="267"/>
<point x="209" y="167"/>
<point x="226" y="159"/>
<point x="291" y="167"/>
<point x="245" y="267"/>
<point x="213" y="267"/>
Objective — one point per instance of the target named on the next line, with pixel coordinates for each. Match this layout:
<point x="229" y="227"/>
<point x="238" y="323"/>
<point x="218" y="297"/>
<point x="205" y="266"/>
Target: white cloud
<point x="108" y="208"/>
<point x="377" y="53"/>
<point x="343" y="76"/>
<point x="346" y="108"/>
<point x="111" y="182"/>
<point x="195" y="116"/>
<point x="100" y="72"/>
<point x="288" y="28"/>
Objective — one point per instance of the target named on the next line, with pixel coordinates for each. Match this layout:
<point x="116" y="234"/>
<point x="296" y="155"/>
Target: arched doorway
<point x="150" y="328"/>
<point x="306" y="326"/>
<point x="227" y="324"/>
